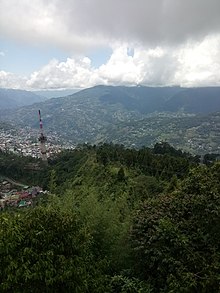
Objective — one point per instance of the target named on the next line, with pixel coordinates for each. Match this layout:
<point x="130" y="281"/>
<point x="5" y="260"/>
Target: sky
<point x="65" y="44"/>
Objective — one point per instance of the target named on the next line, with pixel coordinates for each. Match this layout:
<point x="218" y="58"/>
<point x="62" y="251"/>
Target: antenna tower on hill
<point x="42" y="139"/>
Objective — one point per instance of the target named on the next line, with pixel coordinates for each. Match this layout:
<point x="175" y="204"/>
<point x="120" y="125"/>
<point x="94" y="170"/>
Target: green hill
<point x="116" y="220"/>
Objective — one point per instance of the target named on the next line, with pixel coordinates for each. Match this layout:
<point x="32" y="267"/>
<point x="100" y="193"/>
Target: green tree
<point x="146" y="186"/>
<point x="121" y="174"/>
<point x="46" y="249"/>
<point x="123" y="284"/>
<point x="175" y="237"/>
<point x="52" y="182"/>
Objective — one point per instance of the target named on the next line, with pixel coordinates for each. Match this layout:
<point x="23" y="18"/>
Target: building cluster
<point x="25" y="142"/>
<point x="11" y="196"/>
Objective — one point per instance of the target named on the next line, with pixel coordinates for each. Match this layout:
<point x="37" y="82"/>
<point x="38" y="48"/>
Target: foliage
<point x="27" y="169"/>
<point x="52" y="183"/>
<point x="122" y="284"/>
<point x="209" y="159"/>
<point x="150" y="162"/>
<point x="116" y="220"/>
<point x="121" y="174"/>
<point x="46" y="248"/>
<point x="175" y="236"/>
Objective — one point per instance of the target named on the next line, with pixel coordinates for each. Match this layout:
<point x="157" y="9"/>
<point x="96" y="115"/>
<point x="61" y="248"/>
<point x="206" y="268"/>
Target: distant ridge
<point x="13" y="98"/>
<point x="48" y="94"/>
<point x="119" y="113"/>
<point x="195" y="100"/>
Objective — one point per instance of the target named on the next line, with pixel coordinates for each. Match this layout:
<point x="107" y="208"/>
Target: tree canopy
<point x="115" y="220"/>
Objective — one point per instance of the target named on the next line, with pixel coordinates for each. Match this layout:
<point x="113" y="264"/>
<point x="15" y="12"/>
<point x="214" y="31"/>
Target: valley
<point x="132" y="116"/>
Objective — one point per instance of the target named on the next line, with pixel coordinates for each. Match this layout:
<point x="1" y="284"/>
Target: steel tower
<point x="42" y="139"/>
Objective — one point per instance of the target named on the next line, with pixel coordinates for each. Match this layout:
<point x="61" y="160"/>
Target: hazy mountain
<point x="195" y="100"/>
<point x="108" y="113"/>
<point x="80" y="116"/>
<point x="11" y="98"/>
<point x="55" y="93"/>
<point x="145" y="100"/>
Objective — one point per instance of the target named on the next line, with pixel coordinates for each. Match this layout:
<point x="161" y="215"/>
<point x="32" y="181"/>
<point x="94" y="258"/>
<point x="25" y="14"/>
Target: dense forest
<point x="115" y="220"/>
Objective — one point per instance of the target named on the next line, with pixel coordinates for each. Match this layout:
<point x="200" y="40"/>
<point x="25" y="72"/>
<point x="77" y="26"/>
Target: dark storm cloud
<point x="155" y="21"/>
<point x="78" y="24"/>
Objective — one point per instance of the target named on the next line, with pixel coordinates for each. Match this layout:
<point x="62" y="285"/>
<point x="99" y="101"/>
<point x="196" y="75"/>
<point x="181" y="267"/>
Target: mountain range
<point x="12" y="98"/>
<point x="126" y="114"/>
<point x="48" y="94"/>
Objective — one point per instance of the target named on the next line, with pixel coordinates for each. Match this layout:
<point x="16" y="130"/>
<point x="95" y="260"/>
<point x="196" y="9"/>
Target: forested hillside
<point x="195" y="134"/>
<point x="116" y="220"/>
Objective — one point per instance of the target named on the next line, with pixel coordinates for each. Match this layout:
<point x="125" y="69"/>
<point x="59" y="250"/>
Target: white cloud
<point x="199" y="64"/>
<point x="2" y="54"/>
<point x="121" y="68"/>
<point x="10" y="80"/>
<point x="69" y="74"/>
<point x="194" y="64"/>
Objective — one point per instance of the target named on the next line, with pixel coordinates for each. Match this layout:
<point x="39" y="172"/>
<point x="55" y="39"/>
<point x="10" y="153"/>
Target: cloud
<point x="199" y="64"/>
<point x="161" y="42"/>
<point x="80" y="24"/>
<point x="41" y="22"/>
<point x="192" y="64"/>
<point x="69" y="74"/>
<point x="2" y="54"/>
<point x="145" y="21"/>
<point x="145" y="67"/>
<point x="10" y="80"/>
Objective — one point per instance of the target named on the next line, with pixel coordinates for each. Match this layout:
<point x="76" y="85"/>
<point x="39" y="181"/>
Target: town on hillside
<point x="14" y="194"/>
<point x="24" y="142"/>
